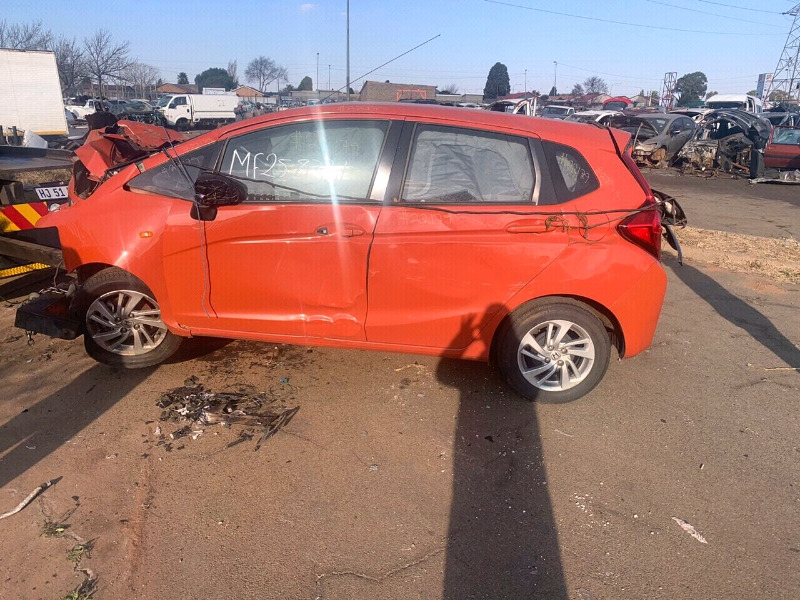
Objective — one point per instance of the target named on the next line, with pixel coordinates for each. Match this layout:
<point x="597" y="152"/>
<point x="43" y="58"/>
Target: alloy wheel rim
<point x="556" y="355"/>
<point x="126" y="323"/>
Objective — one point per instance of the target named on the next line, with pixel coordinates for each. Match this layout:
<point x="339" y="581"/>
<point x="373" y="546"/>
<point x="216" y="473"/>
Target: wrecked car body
<point x="107" y="150"/>
<point x="729" y="140"/>
<point x="656" y="138"/>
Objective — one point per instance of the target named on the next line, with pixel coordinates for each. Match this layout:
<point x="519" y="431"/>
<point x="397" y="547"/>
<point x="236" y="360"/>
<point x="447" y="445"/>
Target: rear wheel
<point x="554" y="352"/>
<point x="122" y="322"/>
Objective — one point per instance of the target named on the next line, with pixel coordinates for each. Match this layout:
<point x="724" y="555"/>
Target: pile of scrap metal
<point x="728" y="140"/>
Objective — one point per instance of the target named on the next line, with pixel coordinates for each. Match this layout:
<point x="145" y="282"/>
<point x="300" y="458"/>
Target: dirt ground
<point x="413" y="477"/>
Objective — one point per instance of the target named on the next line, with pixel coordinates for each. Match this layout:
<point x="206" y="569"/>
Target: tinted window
<point x="177" y="179"/>
<point x="307" y="162"/>
<point x="449" y="164"/>
<point x="571" y="174"/>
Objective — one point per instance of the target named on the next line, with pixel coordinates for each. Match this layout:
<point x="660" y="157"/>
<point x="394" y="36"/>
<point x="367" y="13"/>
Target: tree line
<point x="98" y="60"/>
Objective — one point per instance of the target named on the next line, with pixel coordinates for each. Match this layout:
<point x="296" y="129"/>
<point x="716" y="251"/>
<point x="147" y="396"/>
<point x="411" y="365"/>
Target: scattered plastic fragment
<point x="192" y="406"/>
<point x="690" y="530"/>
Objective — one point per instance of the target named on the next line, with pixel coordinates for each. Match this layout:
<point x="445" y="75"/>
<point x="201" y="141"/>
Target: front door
<point x="292" y="259"/>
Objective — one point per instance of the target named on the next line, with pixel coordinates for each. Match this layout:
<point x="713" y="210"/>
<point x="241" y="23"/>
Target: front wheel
<point x="554" y="352"/>
<point x="122" y="322"/>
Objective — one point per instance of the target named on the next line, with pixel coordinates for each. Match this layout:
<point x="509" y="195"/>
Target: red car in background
<point x="399" y="227"/>
<point x="783" y="148"/>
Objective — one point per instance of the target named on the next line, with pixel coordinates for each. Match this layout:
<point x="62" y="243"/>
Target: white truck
<point x="184" y="111"/>
<point x="30" y="93"/>
<point x="741" y="101"/>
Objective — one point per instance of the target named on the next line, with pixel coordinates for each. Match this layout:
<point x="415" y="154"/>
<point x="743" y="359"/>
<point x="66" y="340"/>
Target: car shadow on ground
<point x="502" y="540"/>
<point x="737" y="311"/>
<point x="42" y="428"/>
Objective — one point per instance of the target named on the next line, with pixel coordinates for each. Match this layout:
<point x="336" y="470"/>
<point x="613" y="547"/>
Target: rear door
<point x="459" y="237"/>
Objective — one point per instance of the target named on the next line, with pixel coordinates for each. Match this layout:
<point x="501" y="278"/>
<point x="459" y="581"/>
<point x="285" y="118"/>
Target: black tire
<point x="122" y="322"/>
<point x="182" y="125"/>
<point x="553" y="373"/>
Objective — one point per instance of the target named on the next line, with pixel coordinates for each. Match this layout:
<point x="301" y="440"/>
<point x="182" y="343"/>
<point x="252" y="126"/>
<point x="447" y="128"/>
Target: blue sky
<point x="631" y="44"/>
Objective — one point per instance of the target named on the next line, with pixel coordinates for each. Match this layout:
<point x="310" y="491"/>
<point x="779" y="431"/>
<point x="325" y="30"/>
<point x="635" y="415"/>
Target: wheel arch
<point x="605" y="316"/>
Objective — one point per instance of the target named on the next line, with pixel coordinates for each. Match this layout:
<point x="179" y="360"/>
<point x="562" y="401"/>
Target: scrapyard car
<point x="656" y="137"/>
<point x="783" y="148"/>
<point x="392" y="227"/>
<point x="731" y="140"/>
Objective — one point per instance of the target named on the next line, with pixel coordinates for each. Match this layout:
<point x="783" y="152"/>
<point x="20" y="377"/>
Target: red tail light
<point x="643" y="229"/>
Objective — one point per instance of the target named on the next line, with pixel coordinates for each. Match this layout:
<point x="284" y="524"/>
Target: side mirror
<point x="213" y="189"/>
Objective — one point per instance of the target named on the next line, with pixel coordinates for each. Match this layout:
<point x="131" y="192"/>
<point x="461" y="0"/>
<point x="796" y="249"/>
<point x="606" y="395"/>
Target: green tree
<point x="183" y="78"/>
<point x="306" y="85"/>
<point x="214" y="78"/>
<point x="691" y="87"/>
<point x="497" y="83"/>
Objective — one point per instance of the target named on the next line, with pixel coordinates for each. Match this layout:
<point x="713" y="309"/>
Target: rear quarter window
<point x="571" y="174"/>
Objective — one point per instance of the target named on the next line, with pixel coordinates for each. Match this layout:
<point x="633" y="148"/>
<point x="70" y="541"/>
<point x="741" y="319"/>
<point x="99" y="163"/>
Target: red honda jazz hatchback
<point x="413" y="228"/>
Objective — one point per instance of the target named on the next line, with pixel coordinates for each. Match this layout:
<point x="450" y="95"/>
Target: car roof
<point x="574" y="133"/>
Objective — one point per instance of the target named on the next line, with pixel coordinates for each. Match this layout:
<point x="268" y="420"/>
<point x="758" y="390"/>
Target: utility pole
<point x="348" y="50"/>
<point x="329" y="77"/>
<point x="526" y="83"/>
<point x="668" y="90"/>
<point x="785" y="78"/>
<point x="317" y="79"/>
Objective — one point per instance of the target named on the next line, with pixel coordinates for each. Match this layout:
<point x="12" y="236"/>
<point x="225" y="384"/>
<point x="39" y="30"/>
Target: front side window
<point x="315" y="161"/>
<point x="176" y="177"/>
<point x="449" y="164"/>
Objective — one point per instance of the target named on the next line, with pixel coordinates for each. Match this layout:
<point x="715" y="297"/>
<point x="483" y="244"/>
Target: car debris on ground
<point x="192" y="407"/>
<point x="30" y="498"/>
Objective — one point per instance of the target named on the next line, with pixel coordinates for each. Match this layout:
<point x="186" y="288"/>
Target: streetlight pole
<point x="526" y="83"/>
<point x="555" y="76"/>
<point x="317" y="79"/>
<point x="348" y="50"/>
<point x="329" y="78"/>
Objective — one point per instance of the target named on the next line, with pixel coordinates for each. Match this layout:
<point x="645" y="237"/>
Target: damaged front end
<point x="731" y="141"/>
<point x="107" y="150"/>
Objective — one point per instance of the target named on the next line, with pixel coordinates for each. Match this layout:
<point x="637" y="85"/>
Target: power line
<point x="599" y="20"/>
<point x="704" y="12"/>
<point x="769" y="12"/>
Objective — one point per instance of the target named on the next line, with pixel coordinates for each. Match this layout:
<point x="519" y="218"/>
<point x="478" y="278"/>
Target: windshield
<point x="555" y="110"/>
<point x="658" y="124"/>
<point x="163" y="101"/>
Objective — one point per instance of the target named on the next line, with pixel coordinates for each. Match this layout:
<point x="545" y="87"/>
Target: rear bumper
<point x="638" y="310"/>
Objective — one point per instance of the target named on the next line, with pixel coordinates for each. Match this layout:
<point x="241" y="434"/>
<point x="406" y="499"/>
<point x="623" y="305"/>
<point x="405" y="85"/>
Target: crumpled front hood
<point x="121" y="143"/>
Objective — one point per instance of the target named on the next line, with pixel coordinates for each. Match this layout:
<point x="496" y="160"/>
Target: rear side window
<point x="450" y="164"/>
<point x="571" y="174"/>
